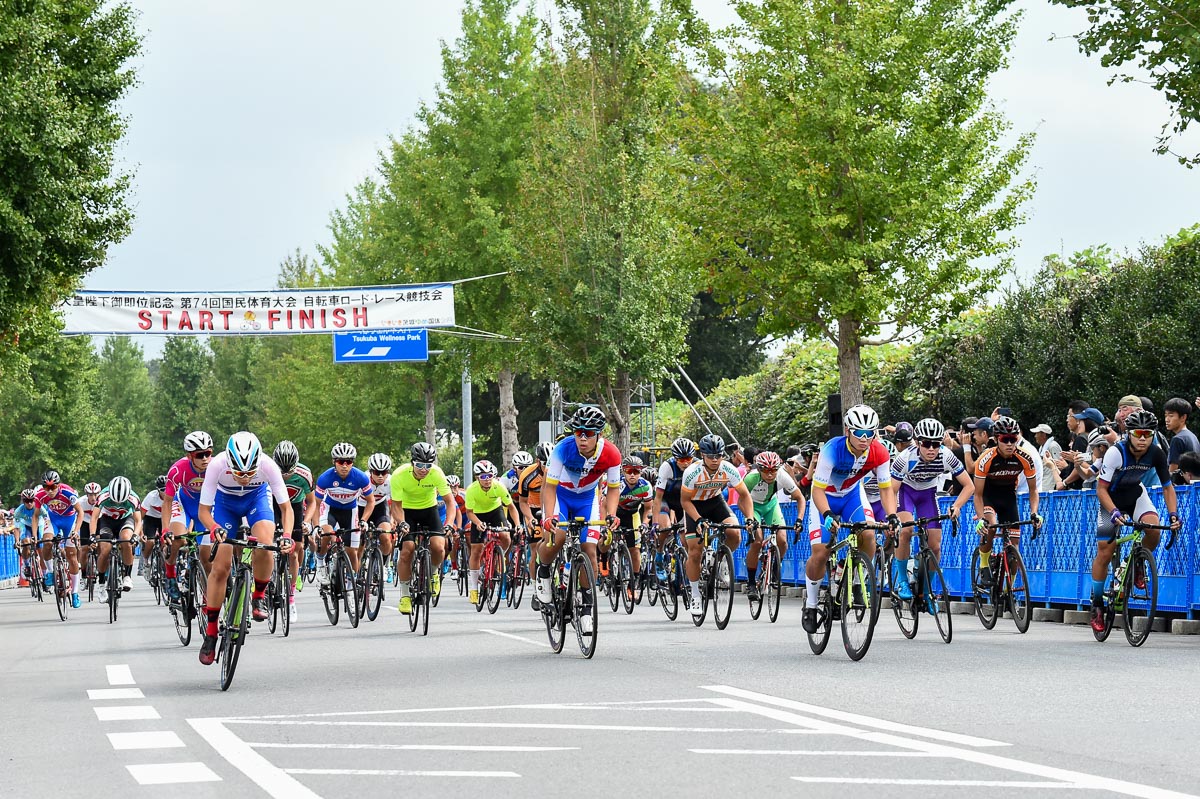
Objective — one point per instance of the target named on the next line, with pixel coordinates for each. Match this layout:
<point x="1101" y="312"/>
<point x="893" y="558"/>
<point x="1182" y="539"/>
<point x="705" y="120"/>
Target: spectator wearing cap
<point x="1051" y="454"/>
<point x="903" y="436"/>
<point x="976" y="437"/>
<point x="1125" y="406"/>
<point x="1175" y="418"/>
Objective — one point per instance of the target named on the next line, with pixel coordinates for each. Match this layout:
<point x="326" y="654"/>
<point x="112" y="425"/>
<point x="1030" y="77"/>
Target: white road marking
<point x="145" y="740"/>
<point x="272" y="779"/>
<point x="472" y="708"/>
<point x="503" y="725"/>
<point x="418" y="747"/>
<point x="1076" y="778"/>
<point x="119" y="675"/>
<point x="855" y="718"/>
<point x="940" y="783"/>
<point x="847" y="752"/>
<point x="125" y="712"/>
<point x="169" y="773"/>
<point x="115" y="693"/>
<point x="369" y="772"/>
<point x="515" y="637"/>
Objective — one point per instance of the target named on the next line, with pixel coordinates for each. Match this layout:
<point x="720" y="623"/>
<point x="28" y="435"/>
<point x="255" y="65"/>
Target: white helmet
<point x="343" y="451"/>
<point x="861" y="417"/>
<point x="380" y="462"/>
<point x="521" y="460"/>
<point x="243" y="451"/>
<point x="119" y="489"/>
<point x="196" y="441"/>
<point x="484" y="467"/>
<point x="929" y="430"/>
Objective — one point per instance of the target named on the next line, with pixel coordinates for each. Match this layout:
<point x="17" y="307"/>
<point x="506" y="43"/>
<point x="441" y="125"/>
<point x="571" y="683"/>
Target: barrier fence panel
<point x="8" y="557"/>
<point x="1058" y="563"/>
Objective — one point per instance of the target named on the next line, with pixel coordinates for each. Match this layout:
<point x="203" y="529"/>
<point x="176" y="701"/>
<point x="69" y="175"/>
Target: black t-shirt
<point x="1078" y="444"/>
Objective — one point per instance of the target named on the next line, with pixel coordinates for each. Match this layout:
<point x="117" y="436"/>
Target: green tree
<point x="232" y="400"/>
<point x="185" y="364"/>
<point x="719" y="344"/>
<point x="63" y="69"/>
<point x="124" y="401"/>
<point x="1160" y="37"/>
<point x="846" y="172"/>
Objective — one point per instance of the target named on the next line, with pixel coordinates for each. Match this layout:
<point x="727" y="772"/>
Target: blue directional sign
<point x="381" y="345"/>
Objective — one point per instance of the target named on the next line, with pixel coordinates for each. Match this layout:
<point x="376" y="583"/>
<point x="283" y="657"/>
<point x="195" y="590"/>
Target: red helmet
<point x="767" y="460"/>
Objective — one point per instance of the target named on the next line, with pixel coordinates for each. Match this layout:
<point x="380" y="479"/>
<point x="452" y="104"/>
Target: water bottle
<point x="837" y="574"/>
<point x="912" y="571"/>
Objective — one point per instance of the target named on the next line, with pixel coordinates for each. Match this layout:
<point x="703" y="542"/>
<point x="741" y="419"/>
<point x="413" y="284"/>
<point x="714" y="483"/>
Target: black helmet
<point x="286" y="456"/>
<point x="51" y="478"/>
<point x="712" y="444"/>
<point x="588" y="417"/>
<point x="160" y="482"/>
<point x="683" y="448"/>
<point x="1006" y="425"/>
<point x="1141" y="420"/>
<point x="423" y="452"/>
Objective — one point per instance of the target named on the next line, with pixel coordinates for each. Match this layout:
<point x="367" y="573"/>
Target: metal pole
<point x="466" y="426"/>
<point x="689" y="404"/>
<point x="688" y="378"/>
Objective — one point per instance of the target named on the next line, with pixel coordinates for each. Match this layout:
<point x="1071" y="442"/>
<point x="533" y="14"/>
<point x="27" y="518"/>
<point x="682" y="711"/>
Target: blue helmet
<point x="243" y="451"/>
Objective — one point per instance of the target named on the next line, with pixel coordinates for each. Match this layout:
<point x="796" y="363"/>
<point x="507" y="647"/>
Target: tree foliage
<point x="124" y="402"/>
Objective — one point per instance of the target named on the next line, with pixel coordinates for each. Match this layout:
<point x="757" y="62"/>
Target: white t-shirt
<point x="152" y="504"/>
<point x="220" y="478"/>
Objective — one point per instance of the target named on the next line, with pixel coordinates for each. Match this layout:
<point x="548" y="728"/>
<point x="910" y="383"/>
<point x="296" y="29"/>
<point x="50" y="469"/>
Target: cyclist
<point x="997" y="472"/>
<point x="579" y="465"/>
<point x="23" y="516"/>
<point x="379" y="469"/>
<point x="765" y="484"/>
<point x="299" y="481"/>
<point x="151" y="508"/>
<point x="488" y="502"/>
<point x="338" y="489"/>
<point x="60" y="503"/>
<point x="239" y="485"/>
<point x="182" y="495"/>
<point x="529" y="500"/>
<point x="456" y="490"/>
<point x="702" y="496"/>
<point x="413" y="491"/>
<point x="1124" y="499"/>
<point x="116" y="517"/>
<point x="635" y="505"/>
<point x="521" y="460"/>
<point x="666" y="494"/>
<point x="838" y="497"/>
<point x="918" y="471"/>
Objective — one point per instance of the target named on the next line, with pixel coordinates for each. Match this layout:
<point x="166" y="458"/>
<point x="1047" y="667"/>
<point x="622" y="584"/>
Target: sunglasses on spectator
<point x="587" y="433"/>
<point x="1007" y="439"/>
<point x="378" y="473"/>
<point x="243" y="475"/>
<point x="344" y="462"/>
<point x="1145" y="435"/>
<point x="929" y="443"/>
<point x="418" y="465"/>
<point x="863" y="434"/>
<point x="205" y="454"/>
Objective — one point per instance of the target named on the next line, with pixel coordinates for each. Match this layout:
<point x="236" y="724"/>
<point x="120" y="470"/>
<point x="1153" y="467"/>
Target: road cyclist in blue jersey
<point x="338" y="490"/>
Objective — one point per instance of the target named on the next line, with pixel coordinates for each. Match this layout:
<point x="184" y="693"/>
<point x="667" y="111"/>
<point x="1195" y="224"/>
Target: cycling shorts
<point x="108" y="528"/>
<point x="851" y="507"/>
<point x="1136" y="510"/>
<point x="229" y="511"/>
<point x="1004" y="505"/>
<point x="297" y="521"/>
<point x="426" y="520"/>
<point x="345" y="520"/>
<point x="185" y="510"/>
<point x="152" y="527"/>
<point x="379" y="514"/>
<point x="584" y="506"/>
<point x="714" y="509"/>
<point x="921" y="503"/>
<point x="492" y="518"/>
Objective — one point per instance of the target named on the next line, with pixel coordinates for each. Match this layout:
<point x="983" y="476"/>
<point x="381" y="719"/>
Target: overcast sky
<point x="252" y="121"/>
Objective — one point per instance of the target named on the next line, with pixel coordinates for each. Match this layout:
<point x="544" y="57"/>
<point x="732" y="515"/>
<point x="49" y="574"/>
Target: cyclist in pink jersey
<point x="181" y="499"/>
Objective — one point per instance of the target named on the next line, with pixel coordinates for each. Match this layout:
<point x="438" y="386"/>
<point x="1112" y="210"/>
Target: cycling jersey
<point x="342" y="493"/>
<point x="382" y="492"/>
<point x="85" y="505"/>
<point x="573" y="473"/>
<point x="670" y="478"/>
<point x="708" y="485"/>
<point x="633" y="496"/>
<point x="152" y="505"/>
<point x="183" y="491"/>
<point x="299" y="484"/>
<point x="915" y="472"/>
<point x="511" y="480"/>
<point x="23" y="518"/>
<point x="839" y="470"/>
<point x="1124" y="473"/>
<point x="414" y="494"/>
<point x="765" y="496"/>
<point x="480" y="501"/>
<point x="218" y="479"/>
<point x="530" y="484"/>
<point x="62" y="505"/>
<point x="1000" y="474"/>
<point x="117" y="510"/>
<point x="870" y="484"/>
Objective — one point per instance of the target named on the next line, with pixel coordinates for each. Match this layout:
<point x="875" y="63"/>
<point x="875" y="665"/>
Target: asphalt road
<point x="96" y="710"/>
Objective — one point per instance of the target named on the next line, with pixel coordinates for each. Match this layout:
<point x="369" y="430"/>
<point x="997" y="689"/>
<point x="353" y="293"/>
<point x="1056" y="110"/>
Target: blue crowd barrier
<point x="8" y="557"/>
<point x="1059" y="562"/>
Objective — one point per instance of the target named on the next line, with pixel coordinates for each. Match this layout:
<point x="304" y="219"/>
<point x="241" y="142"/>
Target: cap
<point x="981" y="424"/>
<point x="1092" y="415"/>
<point x="1130" y="401"/>
<point x="1043" y="428"/>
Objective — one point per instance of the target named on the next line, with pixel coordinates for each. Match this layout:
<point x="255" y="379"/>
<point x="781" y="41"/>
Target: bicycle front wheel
<point x="114" y="585"/>
<point x="287" y="585"/>
<point x="583" y="604"/>
<point x="62" y="586"/>
<point x="237" y="623"/>
<point x="723" y="583"/>
<point x="495" y="582"/>
<point x="1140" y="603"/>
<point x="858" y="605"/>
<point x="349" y="590"/>
<point x="374" y="588"/>
<point x="628" y="579"/>
<point x="936" y="595"/>
<point x="907" y="611"/>
<point x="774" y="588"/>
<point x="273" y="604"/>
<point x="985" y="606"/>
<point x="1018" y="589"/>
<point x="817" y="641"/>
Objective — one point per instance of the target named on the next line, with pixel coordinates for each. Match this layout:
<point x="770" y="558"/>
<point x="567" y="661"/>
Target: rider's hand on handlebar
<point x="1174" y="521"/>
<point x="1037" y="520"/>
<point x="830" y="523"/>
<point x="1117" y="517"/>
<point x="893" y="522"/>
<point x="286" y="544"/>
<point x="953" y="512"/>
<point x="218" y="534"/>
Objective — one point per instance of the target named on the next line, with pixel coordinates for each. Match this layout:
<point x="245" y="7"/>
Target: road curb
<point x="1185" y="627"/>
<point x="1076" y="617"/>
<point x="1047" y="614"/>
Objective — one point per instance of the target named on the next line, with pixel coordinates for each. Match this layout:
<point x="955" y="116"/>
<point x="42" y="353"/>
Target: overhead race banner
<point x="258" y="313"/>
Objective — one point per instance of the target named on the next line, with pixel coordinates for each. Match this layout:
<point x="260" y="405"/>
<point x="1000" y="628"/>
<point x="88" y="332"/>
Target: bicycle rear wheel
<point x="584" y="579"/>
<point x="907" y="612"/>
<point x="723" y="583"/>
<point x="1140" y="603"/>
<point x="237" y="621"/>
<point x="985" y="605"/>
<point x="774" y="588"/>
<point x="936" y="595"/>
<point x="350" y="598"/>
<point x="374" y="587"/>
<point x="1018" y="589"/>
<point x="817" y="641"/>
<point x="858" y="605"/>
<point x="287" y="584"/>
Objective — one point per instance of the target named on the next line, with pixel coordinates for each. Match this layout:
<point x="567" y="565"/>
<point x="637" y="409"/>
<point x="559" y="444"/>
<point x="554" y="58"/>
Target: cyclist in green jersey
<point x="415" y="489"/>
<point x="116" y="516"/>
<point x="765" y="483"/>
<point x="299" y="481"/>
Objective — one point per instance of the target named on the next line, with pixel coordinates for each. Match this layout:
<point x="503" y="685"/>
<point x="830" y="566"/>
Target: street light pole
<point x="466" y="425"/>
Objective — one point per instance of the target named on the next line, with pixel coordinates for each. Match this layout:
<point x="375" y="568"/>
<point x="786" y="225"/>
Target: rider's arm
<point x="689" y="507"/>
<point x="95" y="520"/>
<point x="980" y="482"/>
<point x="745" y="504"/>
<point x="452" y="515"/>
<point x="396" y="510"/>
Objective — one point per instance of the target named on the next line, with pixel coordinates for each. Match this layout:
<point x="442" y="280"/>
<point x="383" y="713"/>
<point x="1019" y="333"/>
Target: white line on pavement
<point x="515" y="637"/>
<point x="171" y="773"/>
<point x="115" y="693"/>
<point x="272" y="779"/>
<point x="145" y="740"/>
<point x="119" y="675"/>
<point x="504" y="725"/>
<point x="473" y="708"/>
<point x="952" y="783"/>
<point x="849" y="752"/>
<point x="855" y="718"/>
<point x="369" y="772"/>
<point x="125" y="712"/>
<point x="418" y="747"/>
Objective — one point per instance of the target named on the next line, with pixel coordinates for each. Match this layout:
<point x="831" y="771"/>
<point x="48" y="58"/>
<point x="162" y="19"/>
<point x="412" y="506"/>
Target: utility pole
<point x="468" y="461"/>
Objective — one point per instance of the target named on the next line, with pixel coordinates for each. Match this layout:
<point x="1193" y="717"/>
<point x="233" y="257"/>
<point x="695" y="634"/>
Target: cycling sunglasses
<point x="929" y="443"/>
<point x="203" y="454"/>
<point x="1007" y="439"/>
<point x="863" y="434"/>
<point x="343" y="461"/>
<point x="243" y="475"/>
<point x="27" y="501"/>
<point x="484" y="476"/>
<point x="586" y="433"/>
<point x="378" y="473"/>
<point x="1142" y="434"/>
<point x="633" y="470"/>
<point x="419" y="465"/>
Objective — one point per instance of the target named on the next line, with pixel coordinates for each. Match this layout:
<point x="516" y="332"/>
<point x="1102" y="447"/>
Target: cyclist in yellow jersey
<point x="415" y="488"/>
<point x="488" y="502"/>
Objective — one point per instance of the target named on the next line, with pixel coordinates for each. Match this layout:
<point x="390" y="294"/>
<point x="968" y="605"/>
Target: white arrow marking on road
<point x="374" y="352"/>
<point x="264" y="773"/>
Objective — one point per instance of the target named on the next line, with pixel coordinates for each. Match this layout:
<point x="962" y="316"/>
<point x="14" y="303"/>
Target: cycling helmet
<point x="861" y="417"/>
<point x="712" y="444"/>
<point x="588" y="417"/>
<point x="27" y="495"/>
<point x="286" y="456"/>
<point x="160" y="482"/>
<point x="649" y="475"/>
<point x="243" y="451"/>
<point x="632" y="460"/>
<point x="521" y="460"/>
<point x="343" y="451"/>
<point x="767" y="460"/>
<point x="119" y="489"/>
<point x="543" y="451"/>
<point x="904" y="432"/>
<point x="380" y="462"/>
<point x="484" y="467"/>
<point x="808" y="450"/>
<point x="423" y="452"/>
<point x="51" y="478"/>
<point x="453" y="481"/>
<point x="1007" y="426"/>
<point x="929" y="430"/>
<point x="1141" y="420"/>
<point x="94" y="488"/>
<point x="683" y="448"/>
<point x="196" y="441"/>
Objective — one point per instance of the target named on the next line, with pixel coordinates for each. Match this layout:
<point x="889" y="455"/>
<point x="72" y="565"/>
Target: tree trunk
<point x="849" y="362"/>
<point x="430" y="418"/>
<point x="508" y="416"/>
<point x="618" y="417"/>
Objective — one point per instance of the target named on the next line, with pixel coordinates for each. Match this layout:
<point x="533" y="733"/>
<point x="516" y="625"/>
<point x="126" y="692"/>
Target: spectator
<point x="976" y="437"/>
<point x="733" y="451"/>
<point x="1175" y="418"/>
<point x="1098" y="445"/>
<point x="903" y="436"/>
<point x="1125" y="406"/>
<point x="1051" y="455"/>
<point x="1189" y="468"/>
<point x="1077" y="447"/>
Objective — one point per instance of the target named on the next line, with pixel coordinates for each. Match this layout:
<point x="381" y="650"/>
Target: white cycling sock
<point x="812" y="591"/>
<point x="75" y="583"/>
<point x="473" y="580"/>
<point x="404" y="588"/>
